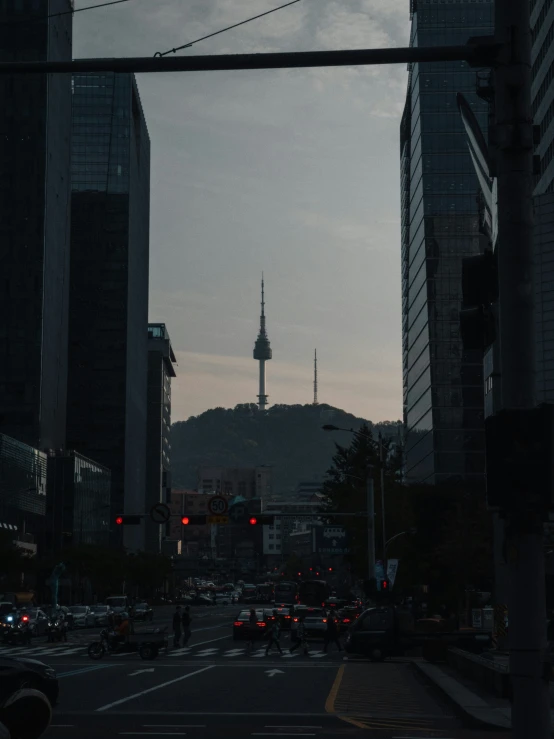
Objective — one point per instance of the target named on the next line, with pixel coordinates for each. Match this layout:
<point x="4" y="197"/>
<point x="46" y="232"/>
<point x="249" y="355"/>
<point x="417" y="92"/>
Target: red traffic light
<point x="119" y="520"/>
<point x="330" y="569"/>
<point x="384" y="584"/>
<point x="185" y="520"/>
<point x="253" y="521"/>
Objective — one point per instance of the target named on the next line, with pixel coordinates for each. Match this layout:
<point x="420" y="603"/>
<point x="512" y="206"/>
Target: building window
<point x="272" y="536"/>
<point x="272" y="546"/>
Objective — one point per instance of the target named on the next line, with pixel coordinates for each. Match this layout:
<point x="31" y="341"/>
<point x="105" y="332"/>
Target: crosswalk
<point x="192" y="651"/>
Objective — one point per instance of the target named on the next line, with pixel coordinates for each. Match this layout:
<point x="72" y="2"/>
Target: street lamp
<point x="379" y="445"/>
<point x="412" y="531"/>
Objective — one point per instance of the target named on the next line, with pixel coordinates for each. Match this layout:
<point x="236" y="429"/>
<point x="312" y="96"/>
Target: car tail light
<point x="324" y="620"/>
<point x="287" y="616"/>
<point x="24" y="618"/>
<point x="323" y="604"/>
<point x="294" y="619"/>
<point x="261" y="624"/>
<point x="346" y="620"/>
<point x="238" y="623"/>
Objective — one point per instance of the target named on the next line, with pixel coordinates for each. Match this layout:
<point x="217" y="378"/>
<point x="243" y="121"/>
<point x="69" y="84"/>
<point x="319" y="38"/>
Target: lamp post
<point x="412" y="531"/>
<point x="379" y="445"/>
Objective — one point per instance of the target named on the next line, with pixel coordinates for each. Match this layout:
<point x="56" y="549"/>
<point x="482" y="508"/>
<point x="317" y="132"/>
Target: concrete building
<point x="443" y="384"/>
<point x="108" y="338"/>
<point x="77" y="502"/>
<point x="35" y="150"/>
<point x="161" y="368"/>
<point x="248" y="482"/>
<point x="276" y="538"/>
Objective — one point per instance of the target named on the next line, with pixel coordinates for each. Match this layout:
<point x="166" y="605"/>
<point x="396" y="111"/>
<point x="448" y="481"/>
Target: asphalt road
<point x="212" y="689"/>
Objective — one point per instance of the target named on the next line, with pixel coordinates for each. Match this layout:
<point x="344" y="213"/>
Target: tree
<point x="14" y="562"/>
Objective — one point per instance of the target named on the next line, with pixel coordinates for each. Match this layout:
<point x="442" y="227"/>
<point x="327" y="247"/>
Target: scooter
<point x="57" y="629"/>
<point x="18" y="632"/>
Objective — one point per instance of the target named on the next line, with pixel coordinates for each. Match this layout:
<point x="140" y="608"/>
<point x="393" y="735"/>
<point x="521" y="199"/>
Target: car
<point x="19" y="672"/>
<point x="143" y="612"/>
<point x="38" y="620"/>
<point x="204" y="600"/>
<point x="283" y="614"/>
<point x="315" y="623"/>
<point x="102" y="614"/>
<point x="83" y="616"/>
<point x="347" y="616"/>
<point x="223" y="598"/>
<point x="240" y="625"/>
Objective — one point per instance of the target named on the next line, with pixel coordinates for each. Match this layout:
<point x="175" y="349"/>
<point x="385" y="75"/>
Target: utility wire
<point x="31" y="19"/>
<point x="216" y="33"/>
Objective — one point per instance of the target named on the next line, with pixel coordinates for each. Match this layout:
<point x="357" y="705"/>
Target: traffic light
<point x="193" y="520"/>
<point x="330" y="569"/>
<point x="261" y="520"/>
<point x="479" y="293"/>
<point x="123" y="520"/>
<point x="385" y="586"/>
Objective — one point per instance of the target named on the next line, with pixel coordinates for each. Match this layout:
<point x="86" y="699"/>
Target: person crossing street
<point x="332" y="632"/>
<point x="177" y="627"/>
<point x="186" y="621"/>
<point x="300" y="637"/>
<point x="274" y="634"/>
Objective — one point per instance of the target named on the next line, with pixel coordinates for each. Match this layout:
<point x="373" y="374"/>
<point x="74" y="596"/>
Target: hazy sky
<point x="293" y="172"/>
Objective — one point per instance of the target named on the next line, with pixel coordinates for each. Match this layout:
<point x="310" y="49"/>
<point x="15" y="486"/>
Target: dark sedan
<point x="22" y="672"/>
<point x="143" y="612"/>
<point x="348" y="616"/>
<point x="241" y="628"/>
<point x="283" y="614"/>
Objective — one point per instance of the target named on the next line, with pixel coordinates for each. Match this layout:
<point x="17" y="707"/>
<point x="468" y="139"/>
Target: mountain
<point x="288" y="438"/>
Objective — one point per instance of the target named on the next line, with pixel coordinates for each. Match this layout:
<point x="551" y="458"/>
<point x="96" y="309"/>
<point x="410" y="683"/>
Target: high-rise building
<point x="161" y="361"/>
<point x="35" y="150"/>
<point x="108" y="327"/>
<point x="443" y="384"/>
<point x="542" y="90"/>
<point x="248" y="482"/>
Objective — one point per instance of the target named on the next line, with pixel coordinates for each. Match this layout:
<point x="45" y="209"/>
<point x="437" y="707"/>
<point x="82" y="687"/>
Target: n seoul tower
<point x="262" y="352"/>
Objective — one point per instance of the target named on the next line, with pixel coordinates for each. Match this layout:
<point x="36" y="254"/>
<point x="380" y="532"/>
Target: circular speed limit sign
<point x="217" y="506"/>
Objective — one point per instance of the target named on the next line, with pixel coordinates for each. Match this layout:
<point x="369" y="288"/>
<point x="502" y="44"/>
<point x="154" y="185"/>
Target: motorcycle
<point x="17" y="632"/>
<point x="57" y="629"/>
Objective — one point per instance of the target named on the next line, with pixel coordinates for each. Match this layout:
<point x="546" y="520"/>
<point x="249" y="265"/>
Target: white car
<point x="83" y="617"/>
<point x="101" y="614"/>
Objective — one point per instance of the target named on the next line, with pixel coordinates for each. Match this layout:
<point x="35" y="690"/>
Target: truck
<point x="391" y="631"/>
<point x="118" y="603"/>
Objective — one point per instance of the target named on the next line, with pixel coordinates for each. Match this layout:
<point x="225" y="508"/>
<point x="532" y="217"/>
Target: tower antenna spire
<point x="262" y="353"/>
<point x="315" y="377"/>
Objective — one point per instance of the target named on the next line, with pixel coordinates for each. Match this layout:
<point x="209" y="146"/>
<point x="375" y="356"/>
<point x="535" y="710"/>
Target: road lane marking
<point x="140" y="672"/>
<point x="273" y="733"/>
<point x="84" y="670"/>
<point x="156" y="687"/>
<point x="151" y="733"/>
<point x="292" y="726"/>
<point x="233" y="652"/>
<point x="174" y="726"/>
<point x="332" y="697"/>
<point x="208" y="652"/>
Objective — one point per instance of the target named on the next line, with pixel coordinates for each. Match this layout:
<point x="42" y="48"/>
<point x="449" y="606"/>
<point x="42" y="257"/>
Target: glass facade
<point x="22" y="486"/>
<point x="161" y="361"/>
<point x="35" y="134"/>
<point x="110" y="208"/>
<point x="78" y="502"/>
<point x="542" y="91"/>
<point x="443" y="384"/>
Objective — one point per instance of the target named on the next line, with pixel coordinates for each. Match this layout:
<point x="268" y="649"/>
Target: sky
<point x="291" y="172"/>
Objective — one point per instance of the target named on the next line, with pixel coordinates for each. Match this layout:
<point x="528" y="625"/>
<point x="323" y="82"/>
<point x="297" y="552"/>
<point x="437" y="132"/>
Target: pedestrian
<point x="252" y="630"/>
<point x="274" y="634"/>
<point x="177" y="627"/>
<point x="186" y="621"/>
<point x="300" y="639"/>
<point x="332" y="632"/>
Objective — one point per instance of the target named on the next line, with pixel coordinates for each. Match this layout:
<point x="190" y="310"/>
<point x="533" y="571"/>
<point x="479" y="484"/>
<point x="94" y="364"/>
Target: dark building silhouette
<point x="108" y="353"/>
<point x="443" y="384"/>
<point x="35" y="136"/>
<point x="161" y="361"/>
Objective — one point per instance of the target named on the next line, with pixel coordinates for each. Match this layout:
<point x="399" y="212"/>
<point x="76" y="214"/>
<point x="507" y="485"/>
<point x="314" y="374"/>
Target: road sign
<point x="217" y="519"/>
<point x="160" y="513"/>
<point x="331" y="540"/>
<point x="217" y="506"/>
<point x="239" y="513"/>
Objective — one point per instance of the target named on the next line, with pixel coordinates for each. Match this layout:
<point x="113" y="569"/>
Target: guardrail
<point x="490" y="675"/>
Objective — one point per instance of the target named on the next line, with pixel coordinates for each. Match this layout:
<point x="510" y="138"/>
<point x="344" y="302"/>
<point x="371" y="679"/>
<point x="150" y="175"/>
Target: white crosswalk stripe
<point x="178" y="652"/>
<point x="233" y="652"/>
<point x="207" y="652"/>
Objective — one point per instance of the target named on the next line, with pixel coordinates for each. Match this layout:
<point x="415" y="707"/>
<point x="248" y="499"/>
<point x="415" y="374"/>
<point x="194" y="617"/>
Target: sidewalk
<point x="482" y="709"/>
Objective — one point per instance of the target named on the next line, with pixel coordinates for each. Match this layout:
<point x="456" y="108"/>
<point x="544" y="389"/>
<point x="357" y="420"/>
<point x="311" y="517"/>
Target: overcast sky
<point x="294" y="173"/>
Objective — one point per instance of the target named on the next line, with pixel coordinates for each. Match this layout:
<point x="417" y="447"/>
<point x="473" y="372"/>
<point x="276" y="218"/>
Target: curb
<point x="471" y="707"/>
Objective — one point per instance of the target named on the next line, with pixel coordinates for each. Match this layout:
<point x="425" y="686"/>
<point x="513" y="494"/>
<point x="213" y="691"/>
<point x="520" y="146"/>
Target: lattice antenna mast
<point x="315" y="377"/>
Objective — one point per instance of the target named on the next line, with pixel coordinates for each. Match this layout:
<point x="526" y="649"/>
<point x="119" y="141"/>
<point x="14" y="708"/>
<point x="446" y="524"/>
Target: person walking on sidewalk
<point x="332" y="632"/>
<point x="274" y="634"/>
<point x="177" y="627"/>
<point x="300" y="639"/>
<point x="186" y="621"/>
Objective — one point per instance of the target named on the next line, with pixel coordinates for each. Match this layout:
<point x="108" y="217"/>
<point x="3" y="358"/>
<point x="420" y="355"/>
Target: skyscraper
<point x="35" y="141"/>
<point x="443" y="384"/>
<point x="161" y="361"/>
<point x="108" y="327"/>
<point x="262" y="352"/>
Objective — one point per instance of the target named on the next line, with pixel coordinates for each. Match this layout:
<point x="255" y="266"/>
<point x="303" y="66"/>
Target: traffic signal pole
<point x="512" y="137"/>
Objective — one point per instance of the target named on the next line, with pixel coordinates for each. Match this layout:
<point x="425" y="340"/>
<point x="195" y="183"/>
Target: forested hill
<point x="287" y="437"/>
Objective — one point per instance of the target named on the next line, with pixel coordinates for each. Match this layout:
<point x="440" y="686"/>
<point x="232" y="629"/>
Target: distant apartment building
<point x="276" y="537"/>
<point x="108" y="327"/>
<point x="443" y="383"/>
<point x="161" y="369"/>
<point x="248" y="482"/>
<point x="35" y="150"/>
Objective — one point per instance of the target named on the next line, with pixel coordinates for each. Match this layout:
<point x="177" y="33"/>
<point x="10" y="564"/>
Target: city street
<point x="212" y="689"/>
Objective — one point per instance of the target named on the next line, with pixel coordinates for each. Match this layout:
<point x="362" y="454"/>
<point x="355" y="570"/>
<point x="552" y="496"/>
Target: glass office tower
<point x="35" y="150"/>
<point x="443" y="384"/>
<point x="108" y="326"/>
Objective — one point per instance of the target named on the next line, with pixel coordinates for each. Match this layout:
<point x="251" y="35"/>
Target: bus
<point x="314" y="592"/>
<point x="286" y="593"/>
